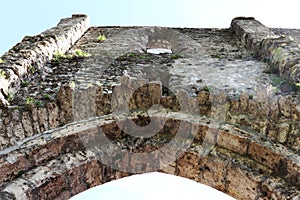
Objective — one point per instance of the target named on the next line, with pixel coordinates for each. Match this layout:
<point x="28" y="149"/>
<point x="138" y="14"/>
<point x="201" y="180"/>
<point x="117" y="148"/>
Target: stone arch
<point x="66" y="161"/>
<point x="62" y="168"/>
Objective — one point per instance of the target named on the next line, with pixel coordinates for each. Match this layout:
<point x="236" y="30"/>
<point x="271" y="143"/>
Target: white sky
<point x="152" y="186"/>
<point x="30" y="17"/>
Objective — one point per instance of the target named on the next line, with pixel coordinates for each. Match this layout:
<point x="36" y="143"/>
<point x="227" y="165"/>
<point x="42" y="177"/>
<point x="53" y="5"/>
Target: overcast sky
<point x="30" y="17"/>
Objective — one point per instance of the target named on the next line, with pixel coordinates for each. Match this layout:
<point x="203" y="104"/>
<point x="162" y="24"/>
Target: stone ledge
<point x="283" y="54"/>
<point x="33" y="52"/>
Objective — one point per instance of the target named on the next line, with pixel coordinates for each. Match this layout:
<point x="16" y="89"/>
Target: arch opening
<point x="159" y="46"/>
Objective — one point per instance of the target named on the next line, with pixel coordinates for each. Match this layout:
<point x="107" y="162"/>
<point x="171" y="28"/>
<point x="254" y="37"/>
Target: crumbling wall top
<point x="33" y="52"/>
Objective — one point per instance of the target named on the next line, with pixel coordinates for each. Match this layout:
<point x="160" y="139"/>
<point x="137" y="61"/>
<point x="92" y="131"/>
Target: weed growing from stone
<point x="275" y="80"/>
<point x="29" y="101"/>
<point x="38" y="103"/>
<point x="206" y="88"/>
<point x="31" y="68"/>
<point x="101" y="38"/>
<point x="142" y="56"/>
<point x="24" y="83"/>
<point x="175" y="56"/>
<point x="131" y="55"/>
<point x="1" y="61"/>
<point x="57" y="56"/>
<point x="2" y="74"/>
<point x="47" y="96"/>
<point x="39" y="71"/>
<point x="10" y="96"/>
<point x="80" y="53"/>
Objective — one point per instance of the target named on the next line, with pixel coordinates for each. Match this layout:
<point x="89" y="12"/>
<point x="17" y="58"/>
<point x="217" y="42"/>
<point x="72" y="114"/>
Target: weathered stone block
<point x="213" y="171"/>
<point x="188" y="166"/>
<point x="65" y="103"/>
<point x="53" y="115"/>
<point x="264" y="154"/>
<point x="27" y="124"/>
<point x="43" y="119"/>
<point x="233" y="142"/>
<point x="241" y="183"/>
<point x="283" y="132"/>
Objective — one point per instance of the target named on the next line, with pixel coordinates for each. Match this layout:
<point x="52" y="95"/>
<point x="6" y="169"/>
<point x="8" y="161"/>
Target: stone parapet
<point x="281" y="52"/>
<point x="29" y="56"/>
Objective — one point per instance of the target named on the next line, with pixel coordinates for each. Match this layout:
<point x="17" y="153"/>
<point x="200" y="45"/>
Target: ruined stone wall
<point x="281" y="51"/>
<point x="32" y="53"/>
<point x="243" y="131"/>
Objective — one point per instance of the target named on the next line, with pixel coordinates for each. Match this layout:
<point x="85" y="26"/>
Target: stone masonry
<point x="222" y="109"/>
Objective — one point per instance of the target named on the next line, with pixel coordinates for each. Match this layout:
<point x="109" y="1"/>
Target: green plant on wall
<point x="2" y="74"/>
<point x="1" y="61"/>
<point x="47" y="96"/>
<point x="24" y="83"/>
<point x="175" y="56"/>
<point x="80" y="53"/>
<point x="31" y="68"/>
<point x="57" y="56"/>
<point x="297" y="86"/>
<point x="29" y="100"/>
<point x="101" y="38"/>
<point x="38" y="103"/>
<point x="10" y="96"/>
<point x="131" y="55"/>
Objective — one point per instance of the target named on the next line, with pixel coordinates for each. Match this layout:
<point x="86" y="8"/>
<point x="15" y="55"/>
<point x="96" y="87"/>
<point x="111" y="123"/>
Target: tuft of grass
<point x="206" y="88"/>
<point x="57" y="56"/>
<point x="175" y="56"/>
<point x="80" y="53"/>
<point x="275" y="80"/>
<point x="2" y="74"/>
<point x="47" y="96"/>
<point x="141" y="56"/>
<point x="31" y="68"/>
<point x="10" y="96"/>
<point x="101" y="38"/>
<point x="38" y="103"/>
<point x="29" y="101"/>
<point x="1" y="61"/>
<point x="24" y="83"/>
<point x="131" y="55"/>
